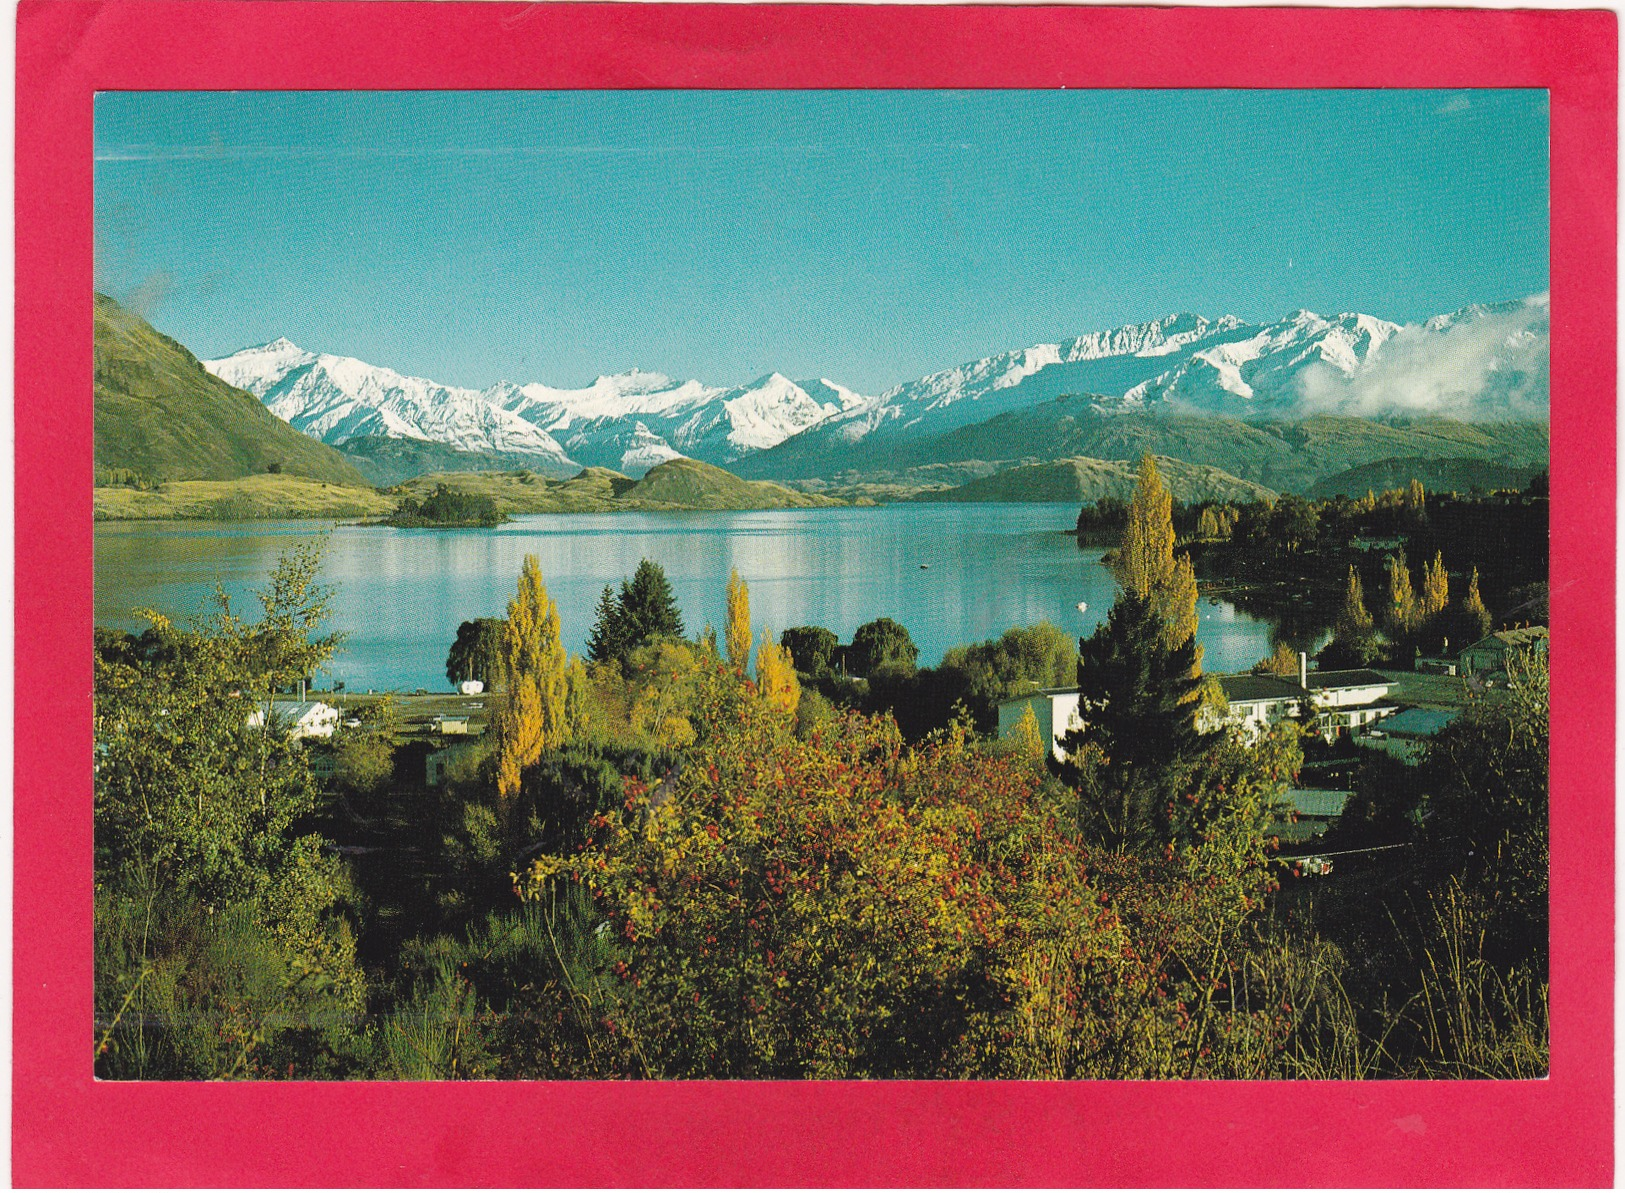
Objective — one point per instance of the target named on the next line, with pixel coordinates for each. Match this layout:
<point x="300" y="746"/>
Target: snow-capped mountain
<point x="1478" y="363"/>
<point x="335" y="398"/>
<point x="1481" y="362"/>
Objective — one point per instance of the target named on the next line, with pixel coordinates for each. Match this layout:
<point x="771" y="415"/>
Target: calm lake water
<point x="401" y="593"/>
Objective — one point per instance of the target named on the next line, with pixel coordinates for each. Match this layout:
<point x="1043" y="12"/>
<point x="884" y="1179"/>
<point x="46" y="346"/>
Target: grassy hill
<point x="1281" y="456"/>
<point x="1082" y="479"/>
<point x="1441" y="476"/>
<point x="387" y="461"/>
<point x="159" y="415"/>
<point x="674" y="485"/>
<point x="245" y="498"/>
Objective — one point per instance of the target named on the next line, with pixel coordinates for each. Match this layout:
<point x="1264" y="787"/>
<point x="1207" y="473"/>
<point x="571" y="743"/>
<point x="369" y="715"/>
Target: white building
<point x="301" y="718"/>
<point x="1347" y="701"/>
<point x="1056" y="710"/>
<point x="471" y="687"/>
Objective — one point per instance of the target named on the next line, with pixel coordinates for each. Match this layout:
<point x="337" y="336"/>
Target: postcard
<point x="813" y="595"/>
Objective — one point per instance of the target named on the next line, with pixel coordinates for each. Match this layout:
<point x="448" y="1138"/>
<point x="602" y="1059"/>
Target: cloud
<point x="1479" y="364"/>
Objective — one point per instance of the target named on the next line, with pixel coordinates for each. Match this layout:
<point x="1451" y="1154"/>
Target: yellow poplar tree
<point x="1473" y="605"/>
<point x="1354" y="621"/>
<point x="776" y="675"/>
<point x="1415" y="495"/>
<point x="1028" y="737"/>
<point x="1146" y="563"/>
<point x="1401" y="596"/>
<point x="736" y="635"/>
<point x="577" y="699"/>
<point x="1435" y="587"/>
<point x="535" y="718"/>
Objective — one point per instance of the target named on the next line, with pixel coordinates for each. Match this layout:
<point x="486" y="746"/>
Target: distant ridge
<point x="1083" y="479"/>
<point x="161" y="416"/>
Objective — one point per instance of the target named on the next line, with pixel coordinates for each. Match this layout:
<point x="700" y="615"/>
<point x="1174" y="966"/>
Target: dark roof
<point x="1239" y="688"/>
<point x="1347" y="679"/>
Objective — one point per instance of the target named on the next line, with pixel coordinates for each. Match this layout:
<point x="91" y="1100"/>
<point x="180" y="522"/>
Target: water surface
<point x="400" y="594"/>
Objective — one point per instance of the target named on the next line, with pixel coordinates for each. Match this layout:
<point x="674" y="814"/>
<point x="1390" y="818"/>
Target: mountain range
<point x="1479" y="367"/>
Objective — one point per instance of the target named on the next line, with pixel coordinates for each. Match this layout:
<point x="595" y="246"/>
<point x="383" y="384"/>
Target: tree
<point x="737" y="633"/>
<point x="1282" y="661"/>
<point x="477" y="652"/>
<point x="1415" y="496"/>
<point x="534" y="717"/>
<point x="776" y="675"/>
<point x="1294" y="521"/>
<point x="610" y="638"/>
<point x="1137" y="699"/>
<point x="1402" y="609"/>
<point x="1207" y="525"/>
<point x="812" y="647"/>
<point x="1146" y="565"/>
<point x="648" y="607"/>
<point x="1435" y="588"/>
<point x="578" y="701"/>
<point x="1353" y="622"/>
<point x="1476" y="617"/>
<point x="881" y="643"/>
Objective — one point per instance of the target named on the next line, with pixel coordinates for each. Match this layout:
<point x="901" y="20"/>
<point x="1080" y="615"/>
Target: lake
<point x="400" y="594"/>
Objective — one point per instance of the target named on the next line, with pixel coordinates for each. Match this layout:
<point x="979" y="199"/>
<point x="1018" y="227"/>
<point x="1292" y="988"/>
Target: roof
<point x="298" y="710"/>
<point x="1036" y="693"/>
<point x="1417" y="722"/>
<point x="1242" y="689"/>
<point x="1348" y="679"/>
<point x="1314" y="801"/>
<point x="1527" y="636"/>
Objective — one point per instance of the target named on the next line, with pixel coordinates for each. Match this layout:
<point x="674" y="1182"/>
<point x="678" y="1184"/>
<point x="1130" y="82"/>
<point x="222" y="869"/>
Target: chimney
<point x="1303" y="669"/>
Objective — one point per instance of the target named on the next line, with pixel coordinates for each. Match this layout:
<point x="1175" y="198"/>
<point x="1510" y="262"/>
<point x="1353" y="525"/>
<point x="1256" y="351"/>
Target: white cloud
<point x="1479" y="364"/>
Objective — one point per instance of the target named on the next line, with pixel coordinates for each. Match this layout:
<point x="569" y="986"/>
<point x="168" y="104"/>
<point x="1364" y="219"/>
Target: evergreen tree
<point x="534" y="719"/>
<point x="648" y="608"/>
<point x="608" y="640"/>
<point x="736" y="635"/>
<point x="1138" y="702"/>
<point x="477" y="652"/>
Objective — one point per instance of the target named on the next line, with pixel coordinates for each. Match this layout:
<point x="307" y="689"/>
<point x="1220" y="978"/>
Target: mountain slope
<point x="1437" y="476"/>
<point x="1285" y="456"/>
<point x="159" y="413"/>
<point x="1083" y="479"/>
<point x="386" y="461"/>
<point x="338" y="398"/>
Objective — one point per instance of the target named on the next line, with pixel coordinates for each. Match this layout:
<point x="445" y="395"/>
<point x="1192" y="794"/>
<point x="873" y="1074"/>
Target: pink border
<point x="69" y="1130"/>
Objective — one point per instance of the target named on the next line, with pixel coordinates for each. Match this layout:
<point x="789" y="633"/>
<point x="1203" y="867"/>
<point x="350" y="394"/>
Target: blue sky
<point x="868" y="237"/>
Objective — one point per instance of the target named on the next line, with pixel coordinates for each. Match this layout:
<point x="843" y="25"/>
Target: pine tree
<point x="1435" y="587"/>
<point x="1138" y="701"/>
<point x="607" y="641"/>
<point x="737" y="632"/>
<point x="534" y="718"/>
<point x="648" y="608"/>
<point x="776" y="675"/>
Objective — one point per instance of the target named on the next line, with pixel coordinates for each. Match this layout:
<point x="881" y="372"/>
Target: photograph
<point x="798" y="584"/>
<point x="798" y="595"/>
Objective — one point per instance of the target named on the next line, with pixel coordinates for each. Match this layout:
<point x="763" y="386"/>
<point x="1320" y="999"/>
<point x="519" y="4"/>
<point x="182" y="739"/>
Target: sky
<point x="869" y="237"/>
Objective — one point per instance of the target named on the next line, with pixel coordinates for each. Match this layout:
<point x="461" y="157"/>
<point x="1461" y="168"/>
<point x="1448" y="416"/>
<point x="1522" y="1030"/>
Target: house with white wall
<point x="301" y="718"/>
<point x="1056" y="710"/>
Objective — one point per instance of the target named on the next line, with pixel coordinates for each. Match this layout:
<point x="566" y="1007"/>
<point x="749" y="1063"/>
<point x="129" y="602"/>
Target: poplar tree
<point x="776" y="675"/>
<point x="1478" y="617"/>
<point x="1401" y="596"/>
<point x="1435" y="587"/>
<point x="1353" y="621"/>
<point x="736" y="635"/>
<point x="534" y="719"/>
<point x="1147" y="566"/>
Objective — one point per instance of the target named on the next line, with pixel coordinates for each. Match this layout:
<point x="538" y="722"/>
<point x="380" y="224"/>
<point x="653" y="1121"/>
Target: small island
<point x="447" y="509"/>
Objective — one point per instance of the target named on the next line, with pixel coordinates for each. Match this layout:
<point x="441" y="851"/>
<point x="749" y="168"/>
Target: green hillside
<point x="1285" y="456"/>
<point x="674" y="485"/>
<point x="1082" y="479"/>
<point x="386" y="461"/>
<point x="1437" y="476"/>
<point x="247" y="498"/>
<point x="160" y="416"/>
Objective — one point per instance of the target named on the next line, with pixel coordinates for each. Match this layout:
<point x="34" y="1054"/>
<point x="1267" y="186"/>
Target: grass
<point x="264" y="496"/>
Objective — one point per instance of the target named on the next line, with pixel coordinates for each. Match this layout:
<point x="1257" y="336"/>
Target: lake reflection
<point x="401" y="593"/>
